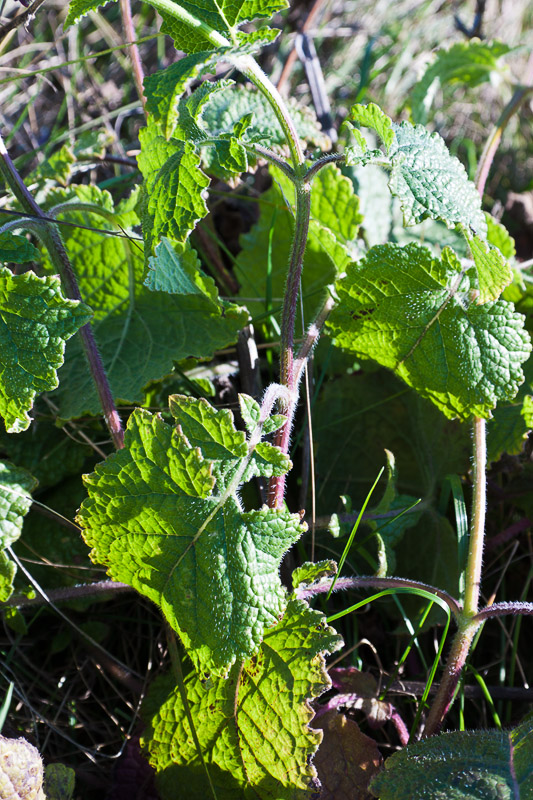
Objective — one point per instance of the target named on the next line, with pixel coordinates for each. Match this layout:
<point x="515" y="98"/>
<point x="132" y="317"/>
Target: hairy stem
<point x="289" y="377"/>
<point x="51" y="238"/>
<point x="452" y="673"/>
<point x="477" y="527"/>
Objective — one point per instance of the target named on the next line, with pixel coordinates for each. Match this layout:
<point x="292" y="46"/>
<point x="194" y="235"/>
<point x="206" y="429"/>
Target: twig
<point x="20" y="19"/>
<point x="287" y="69"/>
<point x="129" y="28"/>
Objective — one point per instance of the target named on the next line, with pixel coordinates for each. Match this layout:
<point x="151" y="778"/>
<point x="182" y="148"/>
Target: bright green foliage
<point x="471" y="63"/>
<point x="8" y="570"/>
<point x="163" y="515"/>
<point x="498" y="236"/>
<point x="262" y="262"/>
<point x="493" y="271"/>
<point x="16" y="486"/>
<point x="251" y="411"/>
<point x="462" y="766"/>
<point x="335" y="206"/>
<point x="16" y="249"/>
<point x="175" y="269"/>
<point x="414" y="314"/>
<point x="311" y="571"/>
<point x="35" y="322"/>
<point x="226" y="109"/>
<point x="174" y="185"/>
<point x="215" y="434"/>
<point x="140" y="333"/>
<point x="429" y="182"/>
<point x="165" y="88"/>
<point x="225" y="17"/>
<point x="78" y="8"/>
<point x="253" y="726"/>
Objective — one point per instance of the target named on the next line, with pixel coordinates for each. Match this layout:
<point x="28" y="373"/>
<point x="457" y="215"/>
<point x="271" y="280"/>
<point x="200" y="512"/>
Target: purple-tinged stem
<point x="372" y="582"/>
<point x="52" y="240"/>
<point x="288" y="375"/>
<point x="504" y="609"/>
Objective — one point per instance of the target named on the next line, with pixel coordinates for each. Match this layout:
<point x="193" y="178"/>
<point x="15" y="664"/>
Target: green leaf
<point x="429" y="182"/>
<point x="227" y="109"/>
<point x="48" y="452"/>
<point x="55" y="169"/>
<point x="511" y="422"/>
<point x="461" y="765"/>
<point x="140" y="333"/>
<point x="335" y="205"/>
<point x="51" y="542"/>
<point x="174" y="185"/>
<point x="225" y="17"/>
<point x="59" y="782"/>
<point x="16" y="249"/>
<point x="214" y="433"/>
<point x="16" y="486"/>
<point x="253" y="725"/>
<point x="165" y="88"/>
<point x="471" y="63"/>
<point x="15" y="500"/>
<point x="78" y="8"/>
<point x="176" y="269"/>
<point x="371" y="116"/>
<point x="498" y="236"/>
<point x="493" y="271"/>
<point x="368" y="412"/>
<point x="313" y="571"/>
<point x="8" y="570"/>
<point x="413" y="314"/>
<point x="164" y="515"/>
<point x="35" y="322"/>
<point x="250" y="412"/>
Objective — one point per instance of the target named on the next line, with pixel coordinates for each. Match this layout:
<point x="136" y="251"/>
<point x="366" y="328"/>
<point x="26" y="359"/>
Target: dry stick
<point x="129" y="28"/>
<point x="21" y="19"/>
<point x="58" y="255"/>
<point x="287" y="69"/>
<point x="471" y="618"/>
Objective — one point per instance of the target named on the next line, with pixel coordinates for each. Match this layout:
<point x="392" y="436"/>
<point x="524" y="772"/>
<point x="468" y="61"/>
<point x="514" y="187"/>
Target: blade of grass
<point x="4" y="709"/>
<point x="354" y="531"/>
